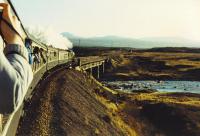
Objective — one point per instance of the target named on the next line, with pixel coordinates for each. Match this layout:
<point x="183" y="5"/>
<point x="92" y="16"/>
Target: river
<point x="161" y="86"/>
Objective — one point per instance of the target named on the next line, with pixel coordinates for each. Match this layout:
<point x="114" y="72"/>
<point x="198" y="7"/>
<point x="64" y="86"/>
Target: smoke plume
<point x="50" y="37"/>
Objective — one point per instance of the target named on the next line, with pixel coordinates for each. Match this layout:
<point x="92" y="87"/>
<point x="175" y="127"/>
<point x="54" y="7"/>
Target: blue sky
<point x="129" y="18"/>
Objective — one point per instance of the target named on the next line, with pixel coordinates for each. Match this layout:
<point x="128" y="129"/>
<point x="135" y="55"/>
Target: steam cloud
<point x="49" y="36"/>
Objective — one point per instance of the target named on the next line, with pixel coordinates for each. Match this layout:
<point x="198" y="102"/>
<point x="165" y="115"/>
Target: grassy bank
<point x="153" y="114"/>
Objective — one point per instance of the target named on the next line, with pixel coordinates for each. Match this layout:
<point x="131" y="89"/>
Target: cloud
<point x="49" y="36"/>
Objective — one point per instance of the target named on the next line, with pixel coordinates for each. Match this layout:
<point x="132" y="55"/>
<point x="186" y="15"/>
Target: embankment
<point x="72" y="103"/>
<point x="65" y="104"/>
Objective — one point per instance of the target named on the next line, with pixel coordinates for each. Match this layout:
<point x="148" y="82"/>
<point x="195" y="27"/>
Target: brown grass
<point x="153" y="65"/>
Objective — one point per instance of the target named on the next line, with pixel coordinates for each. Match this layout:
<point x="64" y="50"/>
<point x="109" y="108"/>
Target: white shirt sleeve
<point x="15" y="77"/>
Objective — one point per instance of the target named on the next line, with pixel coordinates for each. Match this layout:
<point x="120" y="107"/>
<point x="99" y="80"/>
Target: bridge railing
<point x="91" y="59"/>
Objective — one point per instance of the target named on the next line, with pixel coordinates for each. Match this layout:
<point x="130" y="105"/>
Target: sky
<point x="127" y="18"/>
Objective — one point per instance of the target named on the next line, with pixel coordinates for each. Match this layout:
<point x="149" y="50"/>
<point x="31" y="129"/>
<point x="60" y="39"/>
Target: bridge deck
<point x="86" y="63"/>
<point x="91" y="59"/>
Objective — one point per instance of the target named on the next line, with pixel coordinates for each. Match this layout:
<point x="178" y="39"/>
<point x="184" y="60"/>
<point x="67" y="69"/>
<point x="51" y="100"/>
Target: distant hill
<point x="167" y="39"/>
<point x="175" y="49"/>
<point x="70" y="35"/>
<point x="116" y="41"/>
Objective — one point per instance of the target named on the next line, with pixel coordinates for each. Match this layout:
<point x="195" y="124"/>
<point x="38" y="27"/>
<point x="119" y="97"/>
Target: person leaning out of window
<point x="15" y="71"/>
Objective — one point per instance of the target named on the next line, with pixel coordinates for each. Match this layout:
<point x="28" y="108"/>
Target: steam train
<point x="49" y="58"/>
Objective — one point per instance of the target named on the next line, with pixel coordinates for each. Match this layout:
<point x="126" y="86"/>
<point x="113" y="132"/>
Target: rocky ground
<point x="65" y="104"/>
<point x="72" y="103"/>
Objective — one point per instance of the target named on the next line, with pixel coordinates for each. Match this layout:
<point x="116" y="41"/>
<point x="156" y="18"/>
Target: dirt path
<point x="63" y="105"/>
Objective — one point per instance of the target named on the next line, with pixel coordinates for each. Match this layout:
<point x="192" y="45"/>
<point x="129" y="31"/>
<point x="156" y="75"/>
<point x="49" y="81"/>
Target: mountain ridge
<point x="117" y="41"/>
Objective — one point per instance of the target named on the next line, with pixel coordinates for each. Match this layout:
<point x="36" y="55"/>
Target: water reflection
<point x="163" y="86"/>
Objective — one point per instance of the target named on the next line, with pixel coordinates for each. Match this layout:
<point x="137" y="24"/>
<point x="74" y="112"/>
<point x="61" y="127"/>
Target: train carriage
<point x="44" y="59"/>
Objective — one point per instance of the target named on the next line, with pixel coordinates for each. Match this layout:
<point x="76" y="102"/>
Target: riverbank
<point x="152" y="113"/>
